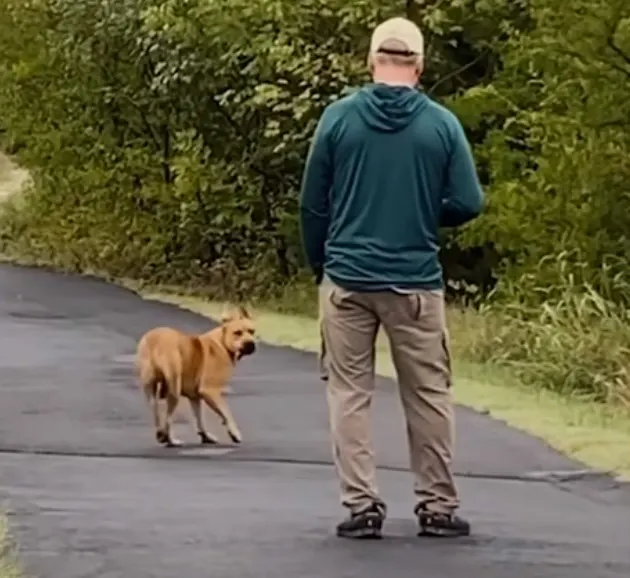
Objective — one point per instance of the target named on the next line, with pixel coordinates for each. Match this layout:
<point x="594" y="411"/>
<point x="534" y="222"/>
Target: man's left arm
<point x="314" y="196"/>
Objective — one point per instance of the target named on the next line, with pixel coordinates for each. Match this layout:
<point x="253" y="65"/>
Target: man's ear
<point x="370" y="63"/>
<point x="420" y="70"/>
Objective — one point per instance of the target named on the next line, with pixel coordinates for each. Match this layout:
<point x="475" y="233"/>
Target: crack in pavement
<point x="224" y="453"/>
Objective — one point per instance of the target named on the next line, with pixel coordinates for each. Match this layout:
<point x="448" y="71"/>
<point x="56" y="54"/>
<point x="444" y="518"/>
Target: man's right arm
<point x="463" y="199"/>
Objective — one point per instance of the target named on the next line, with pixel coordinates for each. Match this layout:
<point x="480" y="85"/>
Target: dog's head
<point x="239" y="334"/>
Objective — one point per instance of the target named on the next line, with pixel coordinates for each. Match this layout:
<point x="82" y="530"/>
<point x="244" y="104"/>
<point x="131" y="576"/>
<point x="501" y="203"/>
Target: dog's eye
<point x="238" y="333"/>
<point x="251" y="331"/>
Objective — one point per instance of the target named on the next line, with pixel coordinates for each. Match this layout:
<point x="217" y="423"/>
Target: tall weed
<point x="567" y="336"/>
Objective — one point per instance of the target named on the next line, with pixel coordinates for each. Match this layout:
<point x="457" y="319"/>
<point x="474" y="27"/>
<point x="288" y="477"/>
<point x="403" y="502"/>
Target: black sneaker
<point x="365" y="525"/>
<point x="442" y="525"/>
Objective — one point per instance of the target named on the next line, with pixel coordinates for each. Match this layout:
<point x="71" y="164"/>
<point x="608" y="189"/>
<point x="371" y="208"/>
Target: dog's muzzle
<point x="248" y="348"/>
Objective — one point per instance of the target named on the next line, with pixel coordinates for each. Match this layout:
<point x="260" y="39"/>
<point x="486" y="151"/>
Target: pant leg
<point x="416" y="327"/>
<point x="350" y="329"/>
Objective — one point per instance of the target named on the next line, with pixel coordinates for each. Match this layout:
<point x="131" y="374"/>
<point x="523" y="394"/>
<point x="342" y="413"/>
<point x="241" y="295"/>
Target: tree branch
<point x="262" y="171"/>
<point x="616" y="122"/>
<point x="459" y="71"/>
<point x="610" y="41"/>
<point x="408" y="7"/>
<point x="617" y="50"/>
<point x="581" y="58"/>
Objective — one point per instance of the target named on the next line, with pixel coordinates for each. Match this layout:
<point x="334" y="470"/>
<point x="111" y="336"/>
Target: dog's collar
<point x="231" y="354"/>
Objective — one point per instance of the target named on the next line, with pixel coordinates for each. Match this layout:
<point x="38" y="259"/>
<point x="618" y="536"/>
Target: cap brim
<point x="395" y="52"/>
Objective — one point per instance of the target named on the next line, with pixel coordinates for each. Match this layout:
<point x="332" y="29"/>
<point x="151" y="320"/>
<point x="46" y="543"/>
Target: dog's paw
<point x="174" y="443"/>
<point x="165" y="439"/>
<point x="206" y="438"/>
<point x="161" y="437"/>
<point x="235" y="436"/>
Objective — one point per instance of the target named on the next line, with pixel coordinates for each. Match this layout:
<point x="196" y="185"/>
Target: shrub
<point x="167" y="138"/>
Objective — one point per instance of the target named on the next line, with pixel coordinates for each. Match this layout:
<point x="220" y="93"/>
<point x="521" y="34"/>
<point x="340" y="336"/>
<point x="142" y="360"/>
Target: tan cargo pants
<point x="416" y="327"/>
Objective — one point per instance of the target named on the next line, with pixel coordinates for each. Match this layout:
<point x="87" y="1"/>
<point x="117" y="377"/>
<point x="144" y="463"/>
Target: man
<point x="386" y="168"/>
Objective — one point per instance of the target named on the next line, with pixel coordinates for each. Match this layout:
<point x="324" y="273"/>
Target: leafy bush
<point x="167" y="138"/>
<point x="559" y="154"/>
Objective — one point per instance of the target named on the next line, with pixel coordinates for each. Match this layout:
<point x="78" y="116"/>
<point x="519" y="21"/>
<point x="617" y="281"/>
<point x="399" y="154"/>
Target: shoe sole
<point x="442" y="533"/>
<point x="363" y="534"/>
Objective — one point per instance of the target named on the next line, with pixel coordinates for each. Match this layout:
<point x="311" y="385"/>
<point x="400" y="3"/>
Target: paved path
<point x="91" y="496"/>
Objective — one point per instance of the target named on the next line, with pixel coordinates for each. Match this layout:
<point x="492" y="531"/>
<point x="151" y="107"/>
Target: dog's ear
<point x="227" y="314"/>
<point x="244" y="312"/>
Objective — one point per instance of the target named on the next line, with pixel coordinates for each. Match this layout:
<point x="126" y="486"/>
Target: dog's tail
<point x="152" y="379"/>
<point x="151" y="383"/>
<point x="154" y="386"/>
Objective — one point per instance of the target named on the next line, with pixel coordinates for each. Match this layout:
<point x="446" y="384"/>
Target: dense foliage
<point x="167" y="138"/>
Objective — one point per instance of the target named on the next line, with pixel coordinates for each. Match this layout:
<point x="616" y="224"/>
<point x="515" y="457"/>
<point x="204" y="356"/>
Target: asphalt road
<point x="90" y="495"/>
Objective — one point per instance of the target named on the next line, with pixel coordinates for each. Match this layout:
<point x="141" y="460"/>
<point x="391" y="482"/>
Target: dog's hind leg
<point x="206" y="438"/>
<point x="172" y="399"/>
<point x="155" y="408"/>
<point x="153" y="387"/>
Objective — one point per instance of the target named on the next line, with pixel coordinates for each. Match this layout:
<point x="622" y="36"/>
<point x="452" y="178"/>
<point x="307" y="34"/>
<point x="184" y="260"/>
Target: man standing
<point x="386" y="168"/>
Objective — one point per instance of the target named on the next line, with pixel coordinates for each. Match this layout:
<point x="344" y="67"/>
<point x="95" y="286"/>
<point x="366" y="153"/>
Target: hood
<point x="389" y="108"/>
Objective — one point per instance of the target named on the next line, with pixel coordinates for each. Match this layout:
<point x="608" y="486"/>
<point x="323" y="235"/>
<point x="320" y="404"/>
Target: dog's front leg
<point x="217" y="404"/>
<point x="206" y="438"/>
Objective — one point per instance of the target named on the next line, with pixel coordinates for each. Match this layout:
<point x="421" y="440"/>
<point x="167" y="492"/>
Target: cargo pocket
<point x="326" y="305"/>
<point x="446" y="348"/>
<point x="339" y="297"/>
<point x="332" y="296"/>
<point x="416" y="306"/>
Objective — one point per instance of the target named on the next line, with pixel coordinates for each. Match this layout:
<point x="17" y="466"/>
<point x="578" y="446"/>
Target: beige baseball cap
<point x="397" y="35"/>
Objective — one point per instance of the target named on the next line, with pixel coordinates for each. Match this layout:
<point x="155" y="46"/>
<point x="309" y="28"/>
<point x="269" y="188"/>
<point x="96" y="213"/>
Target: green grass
<point x="12" y="177"/>
<point x="596" y="435"/>
<point x="9" y="567"/>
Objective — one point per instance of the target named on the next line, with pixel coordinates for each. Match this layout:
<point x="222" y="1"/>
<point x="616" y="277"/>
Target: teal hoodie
<point x="387" y="167"/>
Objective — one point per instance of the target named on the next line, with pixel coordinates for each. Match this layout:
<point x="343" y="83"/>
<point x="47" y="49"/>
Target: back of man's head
<point x="396" y="52"/>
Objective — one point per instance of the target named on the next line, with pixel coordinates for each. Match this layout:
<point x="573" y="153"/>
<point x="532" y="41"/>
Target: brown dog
<point x="172" y="365"/>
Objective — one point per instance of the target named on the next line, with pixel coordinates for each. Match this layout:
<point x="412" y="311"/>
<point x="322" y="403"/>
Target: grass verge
<point x="594" y="434"/>
<point x="12" y="177"/>
<point x="9" y="567"/>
